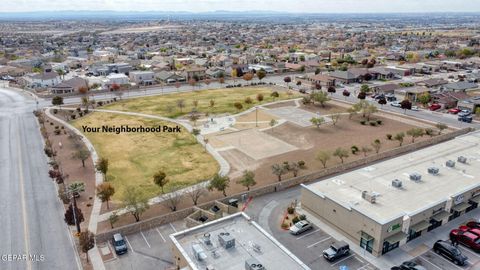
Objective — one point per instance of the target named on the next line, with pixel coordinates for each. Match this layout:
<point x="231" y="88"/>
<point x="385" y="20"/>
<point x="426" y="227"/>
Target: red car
<point x="465" y="236"/>
<point x="473" y="225"/>
<point x="434" y="107"/>
<point x="454" y="110"/>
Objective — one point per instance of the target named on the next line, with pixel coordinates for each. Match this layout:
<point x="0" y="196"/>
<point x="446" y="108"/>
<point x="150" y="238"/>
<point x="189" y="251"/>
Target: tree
<point x="212" y="103"/>
<point x="377" y="144"/>
<point x="85" y="102"/>
<point x="364" y="88"/>
<point x="86" y="241"/>
<point x="70" y="217"/>
<point x="293" y="167"/>
<point x="362" y="96"/>
<point x="194" y="116"/>
<point x="441" y="127"/>
<point x="278" y="170"/>
<point x="160" y="179"/>
<point x="259" y="97"/>
<point x="317" y="71"/>
<point x="399" y="137"/>
<point x="180" y="104"/>
<point x="341" y="154"/>
<point x="424" y="98"/>
<point x="287" y="80"/>
<point x="195" y="193"/>
<point x="114" y="87"/>
<point x="173" y="198"/>
<point x="105" y="191"/>
<point x="135" y="202"/>
<point x="234" y="74"/>
<point x="331" y="89"/>
<point x="323" y="157"/>
<point x="365" y="150"/>
<point x="351" y="112"/>
<point x="477" y="112"/>
<point x="274" y="95"/>
<point x="335" y="117"/>
<point x="102" y="167"/>
<point x="369" y="110"/>
<point x="192" y="82"/>
<point x="220" y="183"/>
<point x="406" y="105"/>
<point x="76" y="187"/>
<point x="261" y="74"/>
<point x="248" y="179"/>
<point x="346" y="94"/>
<point x="238" y="105"/>
<point x="382" y="101"/>
<point x="430" y="132"/>
<point x="317" y="121"/>
<point x="83" y="90"/>
<point x="57" y="101"/>
<point x="415" y="133"/>
<point x="113" y="218"/>
<point x="248" y="76"/>
<point x="320" y="97"/>
<point x="81" y="154"/>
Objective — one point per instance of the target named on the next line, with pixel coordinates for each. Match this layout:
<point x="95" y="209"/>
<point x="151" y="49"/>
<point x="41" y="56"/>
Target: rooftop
<point x="392" y="202"/>
<point x="252" y="243"/>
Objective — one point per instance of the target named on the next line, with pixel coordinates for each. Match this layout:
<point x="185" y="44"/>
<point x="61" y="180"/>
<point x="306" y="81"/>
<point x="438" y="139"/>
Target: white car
<point x="415" y="108"/>
<point x="300" y="227"/>
<point x="396" y="104"/>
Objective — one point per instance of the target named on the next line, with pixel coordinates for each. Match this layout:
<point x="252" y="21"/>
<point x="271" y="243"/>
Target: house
<point x="412" y="93"/>
<point x="169" y="77"/>
<point x="69" y="86"/>
<point x="117" y="79"/>
<point x="142" y="77"/>
<point x="215" y="72"/>
<point x="294" y="67"/>
<point x="197" y="73"/>
<point x="345" y="77"/>
<point x="11" y="71"/>
<point x="323" y="80"/>
<point x="449" y="99"/>
<point x="460" y="86"/>
<point x="268" y="69"/>
<point x="386" y="88"/>
<point x="432" y="83"/>
<point x="471" y="104"/>
<point x="45" y="79"/>
<point x="382" y="73"/>
<point x="399" y="71"/>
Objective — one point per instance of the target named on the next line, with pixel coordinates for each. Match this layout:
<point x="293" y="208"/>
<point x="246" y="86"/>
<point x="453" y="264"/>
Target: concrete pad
<point x="295" y="115"/>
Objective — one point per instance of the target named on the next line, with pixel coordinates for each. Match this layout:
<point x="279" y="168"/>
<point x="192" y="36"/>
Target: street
<point x="33" y="233"/>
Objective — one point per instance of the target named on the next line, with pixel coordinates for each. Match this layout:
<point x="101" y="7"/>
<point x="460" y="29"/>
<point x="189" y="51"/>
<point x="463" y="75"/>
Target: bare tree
<point x="195" y="193"/>
<point x="173" y="198"/>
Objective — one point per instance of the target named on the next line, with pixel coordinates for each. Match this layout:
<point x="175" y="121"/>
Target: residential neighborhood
<point x="202" y="135"/>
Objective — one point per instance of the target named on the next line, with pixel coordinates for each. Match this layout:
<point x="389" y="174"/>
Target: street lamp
<point x="72" y="192"/>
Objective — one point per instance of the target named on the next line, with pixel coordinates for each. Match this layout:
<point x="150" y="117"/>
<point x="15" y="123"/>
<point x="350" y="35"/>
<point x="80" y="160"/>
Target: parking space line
<point x="310" y="233"/>
<point x="128" y="242"/>
<point x="112" y="250"/>
<point x="436" y="266"/>
<point x="359" y="260"/>
<point x="468" y="250"/>
<point x="341" y="260"/>
<point x="144" y="238"/>
<point x="171" y="225"/>
<point x="163" y="238"/>
<point x="364" y="267"/>
<point x="323" y="240"/>
<point x="447" y="260"/>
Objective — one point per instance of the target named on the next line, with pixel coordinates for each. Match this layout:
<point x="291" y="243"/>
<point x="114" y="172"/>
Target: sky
<point x="309" y="6"/>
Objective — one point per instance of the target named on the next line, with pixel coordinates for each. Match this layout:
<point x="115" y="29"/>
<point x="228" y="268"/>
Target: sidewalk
<point x="403" y="253"/>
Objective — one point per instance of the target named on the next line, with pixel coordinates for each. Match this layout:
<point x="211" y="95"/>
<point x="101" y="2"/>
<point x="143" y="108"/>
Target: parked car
<point x="119" y="244"/>
<point x="336" y="250"/>
<point x="300" y="227"/>
<point x="465" y="118"/>
<point x="408" y="265"/>
<point x="434" y="107"/>
<point x="473" y="224"/>
<point x="465" y="113"/>
<point x="454" y="110"/>
<point x="396" y="104"/>
<point x="467" y="237"/>
<point x="415" y="108"/>
<point x="447" y="250"/>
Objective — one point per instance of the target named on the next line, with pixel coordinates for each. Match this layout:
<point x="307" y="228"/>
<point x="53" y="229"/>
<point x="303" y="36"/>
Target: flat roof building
<point x="389" y="203"/>
<point x="232" y="242"/>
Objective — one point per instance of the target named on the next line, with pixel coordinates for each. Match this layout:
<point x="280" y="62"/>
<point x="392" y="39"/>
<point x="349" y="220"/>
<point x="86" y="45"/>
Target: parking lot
<point x="149" y="249"/>
<point x="309" y="246"/>
<point x="432" y="261"/>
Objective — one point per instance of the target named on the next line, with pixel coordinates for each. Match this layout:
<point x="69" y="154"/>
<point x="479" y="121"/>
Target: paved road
<point x="31" y="216"/>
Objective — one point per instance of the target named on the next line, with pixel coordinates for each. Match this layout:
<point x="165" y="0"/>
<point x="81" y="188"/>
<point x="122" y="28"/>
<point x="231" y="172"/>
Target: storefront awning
<point x="422" y="225"/>
<point x="396" y="238"/>
<point x="461" y="206"/>
<point x="475" y="199"/>
<point x="440" y="216"/>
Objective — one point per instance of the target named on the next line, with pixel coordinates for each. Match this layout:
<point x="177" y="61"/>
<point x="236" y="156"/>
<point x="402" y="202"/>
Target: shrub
<point x="285" y="225"/>
<point x="78" y="109"/>
<point x="73" y="116"/>
<point x="57" y="131"/>
<point x="379" y="122"/>
<point x="114" y="99"/>
<point x="389" y="137"/>
<point x="57" y="127"/>
<point x="260" y="97"/>
<point x="295" y="220"/>
<point x="55" y="111"/>
<point x="100" y="103"/>
<point x="80" y="114"/>
<point x="248" y="100"/>
<point x="51" y="123"/>
<point x="363" y="122"/>
<point x="301" y="164"/>
<point x="354" y="149"/>
<point x="290" y="210"/>
<point x="238" y="105"/>
<point x="302" y="217"/>
<point x="373" y="124"/>
<point x="86" y="111"/>
<point x="62" y="127"/>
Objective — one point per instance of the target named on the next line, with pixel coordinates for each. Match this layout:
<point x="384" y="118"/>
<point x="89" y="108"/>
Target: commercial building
<point x="385" y="205"/>
<point x="232" y="242"/>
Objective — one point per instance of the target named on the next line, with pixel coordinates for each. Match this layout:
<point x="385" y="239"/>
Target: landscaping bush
<point x="57" y="127"/>
<point x="285" y="226"/>
<point x="290" y="210"/>
<point x="379" y="122"/>
<point x="62" y="127"/>
<point x="373" y="124"/>
<point x="354" y="149"/>
<point x="51" y="123"/>
<point x="363" y="122"/>
<point x="248" y="100"/>
<point x="73" y="116"/>
<point x="295" y="220"/>
<point x="389" y="137"/>
<point x="80" y="114"/>
<point x="57" y="131"/>
<point x="301" y="164"/>
<point x="78" y="109"/>
<point x="302" y="217"/>
<point x="114" y="99"/>
<point x="55" y="111"/>
<point x="100" y="103"/>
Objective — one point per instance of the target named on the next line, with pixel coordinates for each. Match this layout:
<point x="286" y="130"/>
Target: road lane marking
<point x="436" y="266"/>
<point x="22" y="197"/>
<point x="310" y="233"/>
<point x="144" y="238"/>
<point x="163" y="238"/>
<point x="342" y="260"/>
<point x="323" y="240"/>
<point x="171" y="225"/>
<point x="128" y="242"/>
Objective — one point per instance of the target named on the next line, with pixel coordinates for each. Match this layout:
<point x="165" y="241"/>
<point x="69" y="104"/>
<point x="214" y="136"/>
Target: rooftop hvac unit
<point x="206" y="239"/>
<point x="450" y="163"/>
<point x="198" y="252"/>
<point x="226" y="240"/>
<point x="253" y="264"/>
<point x="462" y="159"/>
<point x="369" y="197"/>
<point x="397" y="183"/>
<point x="433" y="170"/>
<point x="415" y="177"/>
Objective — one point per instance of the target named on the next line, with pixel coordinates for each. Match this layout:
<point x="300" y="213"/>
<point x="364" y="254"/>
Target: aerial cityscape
<point x="256" y="135"/>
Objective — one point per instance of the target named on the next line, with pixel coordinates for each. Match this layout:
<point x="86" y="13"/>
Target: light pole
<point x="72" y="193"/>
